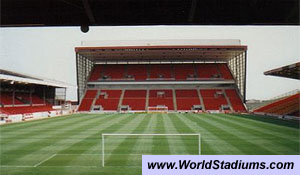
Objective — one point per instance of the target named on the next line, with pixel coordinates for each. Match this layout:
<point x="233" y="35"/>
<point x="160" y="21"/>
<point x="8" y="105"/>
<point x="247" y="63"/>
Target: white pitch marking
<point x="45" y="160"/>
<point x="17" y="166"/>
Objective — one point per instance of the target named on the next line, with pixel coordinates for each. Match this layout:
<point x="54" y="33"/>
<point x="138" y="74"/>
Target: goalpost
<point x="198" y="135"/>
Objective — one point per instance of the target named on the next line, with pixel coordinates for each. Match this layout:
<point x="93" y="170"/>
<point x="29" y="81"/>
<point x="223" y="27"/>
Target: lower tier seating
<point x="135" y="99"/>
<point x="213" y="99"/>
<point x="235" y="100"/>
<point x="285" y="106"/>
<point x="25" y="109"/>
<point x="109" y="99"/>
<point x="186" y="99"/>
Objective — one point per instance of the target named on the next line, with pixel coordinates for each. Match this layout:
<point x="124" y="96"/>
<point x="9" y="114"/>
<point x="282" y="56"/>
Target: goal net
<point x="159" y="109"/>
<point x="124" y="149"/>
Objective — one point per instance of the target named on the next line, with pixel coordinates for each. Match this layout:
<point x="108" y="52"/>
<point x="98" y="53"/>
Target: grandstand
<point x="169" y="82"/>
<point x="24" y="97"/>
<point x="286" y="105"/>
<point x="210" y="77"/>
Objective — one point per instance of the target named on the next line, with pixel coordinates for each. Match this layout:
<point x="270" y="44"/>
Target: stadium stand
<point x="135" y="99"/>
<point x="208" y="71"/>
<point x="26" y="109"/>
<point x="145" y="77"/>
<point x="108" y="99"/>
<point x="213" y="99"/>
<point x="161" y="97"/>
<point x="288" y="103"/>
<point x="185" y="71"/>
<point x="161" y="71"/>
<point x="225" y="72"/>
<point x="186" y="99"/>
<point x="24" y="94"/>
<point x="137" y="72"/>
<point x="7" y="99"/>
<point x="96" y="73"/>
<point x="235" y="100"/>
<point x="285" y="106"/>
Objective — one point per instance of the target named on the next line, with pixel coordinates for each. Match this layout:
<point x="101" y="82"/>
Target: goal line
<point x="198" y="135"/>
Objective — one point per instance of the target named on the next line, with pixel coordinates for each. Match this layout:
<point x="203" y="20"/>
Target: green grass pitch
<point x="72" y="144"/>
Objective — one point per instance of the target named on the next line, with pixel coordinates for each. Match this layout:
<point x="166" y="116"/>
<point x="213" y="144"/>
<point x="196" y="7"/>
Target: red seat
<point x="186" y="99"/>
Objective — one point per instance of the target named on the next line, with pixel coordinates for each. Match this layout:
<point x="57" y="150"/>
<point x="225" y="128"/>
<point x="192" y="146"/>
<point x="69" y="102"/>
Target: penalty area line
<point x="44" y="160"/>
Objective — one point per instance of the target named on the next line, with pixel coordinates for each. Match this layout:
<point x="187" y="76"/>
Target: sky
<point x="49" y="51"/>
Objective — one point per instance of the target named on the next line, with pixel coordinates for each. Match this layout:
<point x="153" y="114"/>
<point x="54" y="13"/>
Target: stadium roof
<point x="18" y="78"/>
<point x="289" y="71"/>
<point x="217" y="50"/>
<point x="148" y="12"/>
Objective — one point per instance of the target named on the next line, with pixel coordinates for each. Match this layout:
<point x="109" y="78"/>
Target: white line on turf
<point x="67" y="166"/>
<point x="101" y="154"/>
<point x="17" y="166"/>
<point x="44" y="160"/>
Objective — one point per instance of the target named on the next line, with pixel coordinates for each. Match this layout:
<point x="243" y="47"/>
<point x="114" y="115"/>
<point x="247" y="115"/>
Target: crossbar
<point x="109" y="134"/>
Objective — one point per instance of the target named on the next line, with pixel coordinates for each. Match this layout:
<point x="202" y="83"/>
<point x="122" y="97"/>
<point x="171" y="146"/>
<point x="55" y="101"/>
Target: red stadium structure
<point x="23" y="97"/>
<point x="180" y="78"/>
<point x="287" y="105"/>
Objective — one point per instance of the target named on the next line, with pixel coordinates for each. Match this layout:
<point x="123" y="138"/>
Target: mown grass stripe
<point x="208" y="139"/>
<point x="179" y="144"/>
<point x="277" y="130"/>
<point x="239" y="143"/>
<point x="283" y="124"/>
<point x="34" y="123"/>
<point x="31" y="148"/>
<point x="127" y="145"/>
<point x="283" y="146"/>
<point x="190" y="142"/>
<point x="239" y="132"/>
<point x="160" y="143"/>
<point x="19" y="143"/>
<point x="44" y="128"/>
<point x="93" y="139"/>
<point x="72" y="137"/>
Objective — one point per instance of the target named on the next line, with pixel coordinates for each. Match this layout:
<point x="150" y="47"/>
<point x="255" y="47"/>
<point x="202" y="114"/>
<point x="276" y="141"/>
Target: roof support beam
<point x="88" y="11"/>
<point x="192" y="11"/>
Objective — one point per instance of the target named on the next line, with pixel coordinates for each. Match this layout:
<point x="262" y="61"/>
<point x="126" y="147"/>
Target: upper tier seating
<point x="235" y="100"/>
<point x="96" y="72"/>
<point x="114" y="72"/>
<point x="137" y="72"/>
<point x="135" y="99"/>
<point x="208" y="71"/>
<point x="109" y="99"/>
<point x="142" y="72"/>
<point x="185" y="71"/>
<point x="186" y="99"/>
<point x="161" y="98"/>
<point x="161" y="71"/>
<point x="213" y="99"/>
<point x="225" y="72"/>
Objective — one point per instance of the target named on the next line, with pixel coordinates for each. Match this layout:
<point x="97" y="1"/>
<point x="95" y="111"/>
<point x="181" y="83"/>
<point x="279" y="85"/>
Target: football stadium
<point x="141" y="100"/>
<point x="94" y="87"/>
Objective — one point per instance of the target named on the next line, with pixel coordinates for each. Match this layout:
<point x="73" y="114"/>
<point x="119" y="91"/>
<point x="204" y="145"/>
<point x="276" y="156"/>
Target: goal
<point x="162" y="109"/>
<point x="198" y="135"/>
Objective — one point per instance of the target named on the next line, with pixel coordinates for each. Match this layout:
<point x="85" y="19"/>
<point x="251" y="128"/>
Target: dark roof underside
<point x="148" y="12"/>
<point x="290" y="71"/>
<point x="161" y="53"/>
